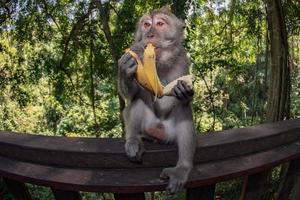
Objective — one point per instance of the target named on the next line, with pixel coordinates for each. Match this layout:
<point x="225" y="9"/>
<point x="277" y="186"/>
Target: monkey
<point x="168" y="119"/>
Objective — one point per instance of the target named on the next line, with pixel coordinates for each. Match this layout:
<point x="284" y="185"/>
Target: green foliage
<point x="50" y="49"/>
<point x="229" y="189"/>
<point x="39" y="192"/>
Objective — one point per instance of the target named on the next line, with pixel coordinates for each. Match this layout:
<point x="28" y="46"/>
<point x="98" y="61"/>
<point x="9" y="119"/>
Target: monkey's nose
<point x="150" y="35"/>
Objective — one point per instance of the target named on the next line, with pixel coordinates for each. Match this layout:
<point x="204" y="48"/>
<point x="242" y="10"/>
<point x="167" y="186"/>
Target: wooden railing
<point x="69" y="165"/>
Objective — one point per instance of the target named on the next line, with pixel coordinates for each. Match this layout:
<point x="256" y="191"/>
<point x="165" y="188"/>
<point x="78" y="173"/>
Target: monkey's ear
<point x="138" y="31"/>
<point x="182" y="23"/>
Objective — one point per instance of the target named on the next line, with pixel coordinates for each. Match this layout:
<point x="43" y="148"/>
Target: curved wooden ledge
<point x="100" y="165"/>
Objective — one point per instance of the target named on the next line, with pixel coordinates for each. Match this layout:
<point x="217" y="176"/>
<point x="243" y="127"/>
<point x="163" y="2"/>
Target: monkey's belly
<point x="157" y="131"/>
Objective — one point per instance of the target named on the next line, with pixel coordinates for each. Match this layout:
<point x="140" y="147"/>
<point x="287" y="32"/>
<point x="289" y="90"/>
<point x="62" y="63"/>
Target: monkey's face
<point x="162" y="30"/>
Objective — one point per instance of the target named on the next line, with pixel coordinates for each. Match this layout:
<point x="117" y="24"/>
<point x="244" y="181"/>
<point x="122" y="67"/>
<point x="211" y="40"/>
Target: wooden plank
<point x="204" y="192"/>
<point x="290" y="180"/>
<point x="143" y="179"/>
<point x="17" y="189"/>
<point x="63" y="195"/>
<point x="109" y="153"/>
<point x="134" y="196"/>
<point x="256" y="186"/>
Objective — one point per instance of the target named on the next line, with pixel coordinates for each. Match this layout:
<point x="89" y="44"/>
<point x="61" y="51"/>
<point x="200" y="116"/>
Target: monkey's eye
<point x="159" y="23"/>
<point x="147" y="24"/>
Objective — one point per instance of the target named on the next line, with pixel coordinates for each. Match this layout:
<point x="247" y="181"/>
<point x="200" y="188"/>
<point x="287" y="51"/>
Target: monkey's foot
<point x="134" y="150"/>
<point x="177" y="178"/>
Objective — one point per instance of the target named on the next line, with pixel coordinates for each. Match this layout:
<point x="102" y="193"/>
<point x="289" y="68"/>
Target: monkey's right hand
<point x="127" y="65"/>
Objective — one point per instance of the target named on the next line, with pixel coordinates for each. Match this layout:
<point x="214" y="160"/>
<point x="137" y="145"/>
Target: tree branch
<point x="103" y="9"/>
<point x="52" y="18"/>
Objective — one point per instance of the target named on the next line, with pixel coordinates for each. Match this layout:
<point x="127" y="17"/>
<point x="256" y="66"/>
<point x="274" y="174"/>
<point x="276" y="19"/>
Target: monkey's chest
<point x="163" y="107"/>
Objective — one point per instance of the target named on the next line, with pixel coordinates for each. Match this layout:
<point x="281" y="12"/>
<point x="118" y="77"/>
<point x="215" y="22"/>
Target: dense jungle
<point x="58" y="67"/>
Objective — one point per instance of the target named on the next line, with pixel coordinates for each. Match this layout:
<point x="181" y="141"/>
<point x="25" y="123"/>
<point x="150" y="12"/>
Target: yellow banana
<point x="146" y="73"/>
<point x="140" y="74"/>
<point x="149" y="62"/>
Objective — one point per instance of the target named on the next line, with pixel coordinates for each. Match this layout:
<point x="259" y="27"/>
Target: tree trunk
<point x="179" y="8"/>
<point x="278" y="105"/>
<point x="92" y="84"/>
<point x="279" y="92"/>
<point x="103" y="9"/>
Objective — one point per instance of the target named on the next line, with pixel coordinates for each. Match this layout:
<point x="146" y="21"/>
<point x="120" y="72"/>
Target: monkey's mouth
<point x="156" y="48"/>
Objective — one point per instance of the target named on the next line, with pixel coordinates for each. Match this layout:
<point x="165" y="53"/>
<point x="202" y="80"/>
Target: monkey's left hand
<point x="182" y="91"/>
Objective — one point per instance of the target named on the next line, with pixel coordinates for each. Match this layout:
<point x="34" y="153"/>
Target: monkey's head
<point x="161" y="28"/>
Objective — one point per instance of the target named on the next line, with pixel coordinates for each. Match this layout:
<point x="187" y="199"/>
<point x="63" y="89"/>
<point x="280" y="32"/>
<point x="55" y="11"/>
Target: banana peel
<point x="146" y="74"/>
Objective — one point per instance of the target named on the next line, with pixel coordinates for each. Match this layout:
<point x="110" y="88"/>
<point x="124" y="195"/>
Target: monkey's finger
<point x="177" y="93"/>
<point x="164" y="177"/>
<point x="131" y="148"/>
<point x="131" y="70"/>
<point x="129" y="67"/>
<point x="175" y="186"/>
<point x="179" y="187"/>
<point x="186" y="89"/>
<point x="182" y="89"/>
<point x="124" y="58"/>
<point x="136" y="159"/>
<point x="131" y="63"/>
<point x="172" y="189"/>
<point x="164" y="174"/>
<point x="137" y="48"/>
<point x="140" y="153"/>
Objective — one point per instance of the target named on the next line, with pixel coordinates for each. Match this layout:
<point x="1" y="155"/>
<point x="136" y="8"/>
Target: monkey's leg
<point x="186" y="141"/>
<point x="133" y="145"/>
<point x="137" y="115"/>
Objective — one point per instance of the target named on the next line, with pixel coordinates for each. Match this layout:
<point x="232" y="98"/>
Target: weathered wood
<point x="290" y="180"/>
<point x="109" y="153"/>
<point x="17" y="189"/>
<point x="204" y="192"/>
<point x="100" y="165"/>
<point x="256" y="186"/>
<point x="134" y="196"/>
<point x="63" y="195"/>
<point x="143" y="179"/>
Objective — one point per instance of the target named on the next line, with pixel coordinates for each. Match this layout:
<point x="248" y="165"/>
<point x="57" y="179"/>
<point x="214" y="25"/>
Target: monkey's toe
<point x="136" y="159"/>
<point x="166" y="173"/>
<point x="134" y="151"/>
<point x="176" y="178"/>
<point x="175" y="186"/>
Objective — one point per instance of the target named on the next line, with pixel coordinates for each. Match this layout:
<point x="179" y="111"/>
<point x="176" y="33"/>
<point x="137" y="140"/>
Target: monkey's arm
<point x="127" y="85"/>
<point x="182" y="87"/>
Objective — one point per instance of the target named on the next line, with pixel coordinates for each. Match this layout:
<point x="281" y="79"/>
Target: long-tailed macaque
<point x="168" y="118"/>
